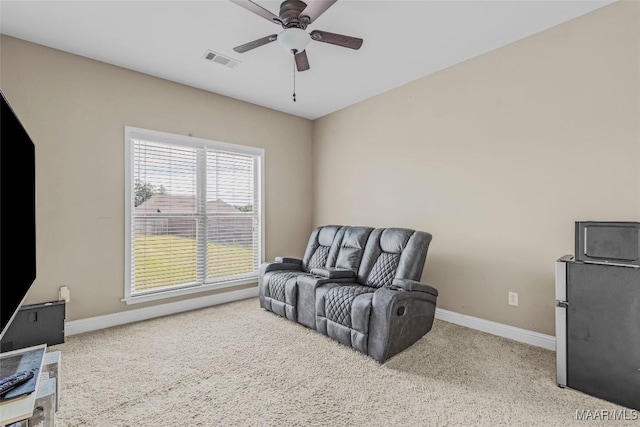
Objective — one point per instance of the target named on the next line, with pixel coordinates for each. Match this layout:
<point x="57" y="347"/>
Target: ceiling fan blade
<point x="337" y="39"/>
<point x="257" y="9"/>
<point x="256" y="43"/>
<point x="316" y="8"/>
<point x="302" y="62"/>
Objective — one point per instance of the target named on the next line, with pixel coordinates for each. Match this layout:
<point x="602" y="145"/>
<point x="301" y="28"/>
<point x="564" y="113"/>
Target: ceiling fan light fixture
<point x="294" y="39"/>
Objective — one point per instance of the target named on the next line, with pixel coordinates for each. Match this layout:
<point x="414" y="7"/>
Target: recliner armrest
<point x="274" y="266"/>
<point x="334" y="273"/>
<point x="412" y="285"/>
<point x="288" y="260"/>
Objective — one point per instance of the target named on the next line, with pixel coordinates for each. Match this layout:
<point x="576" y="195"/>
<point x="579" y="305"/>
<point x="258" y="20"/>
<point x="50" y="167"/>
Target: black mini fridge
<point x="598" y="326"/>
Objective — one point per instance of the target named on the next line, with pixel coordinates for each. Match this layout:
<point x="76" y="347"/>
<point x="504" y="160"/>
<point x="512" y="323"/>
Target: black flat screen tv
<point x="17" y="214"/>
<point x="603" y="242"/>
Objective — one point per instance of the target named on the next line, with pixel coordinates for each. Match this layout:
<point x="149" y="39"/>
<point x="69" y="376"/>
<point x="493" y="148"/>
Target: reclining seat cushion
<point x="279" y="286"/>
<point x="279" y="292"/>
<point x="277" y="283"/>
<point x="343" y="311"/>
<point x="339" y="300"/>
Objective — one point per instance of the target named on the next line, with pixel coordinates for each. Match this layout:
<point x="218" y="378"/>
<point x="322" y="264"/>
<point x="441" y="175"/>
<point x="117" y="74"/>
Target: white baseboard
<point x="108" y="320"/>
<point x="499" y="329"/>
<point x="100" y="322"/>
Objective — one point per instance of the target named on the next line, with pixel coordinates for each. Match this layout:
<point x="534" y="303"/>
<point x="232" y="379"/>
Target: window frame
<point x="131" y="133"/>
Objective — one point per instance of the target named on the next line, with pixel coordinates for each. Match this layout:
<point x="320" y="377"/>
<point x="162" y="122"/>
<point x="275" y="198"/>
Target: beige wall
<point x="496" y="157"/>
<point x="75" y="110"/>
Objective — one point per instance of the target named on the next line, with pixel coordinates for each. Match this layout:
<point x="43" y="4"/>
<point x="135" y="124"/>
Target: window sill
<point x="154" y="296"/>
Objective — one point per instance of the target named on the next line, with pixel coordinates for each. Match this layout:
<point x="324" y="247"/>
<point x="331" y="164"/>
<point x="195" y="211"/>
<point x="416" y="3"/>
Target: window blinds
<point x="195" y="215"/>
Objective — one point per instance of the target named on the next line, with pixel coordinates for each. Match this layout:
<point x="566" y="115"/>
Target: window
<point x="193" y="214"/>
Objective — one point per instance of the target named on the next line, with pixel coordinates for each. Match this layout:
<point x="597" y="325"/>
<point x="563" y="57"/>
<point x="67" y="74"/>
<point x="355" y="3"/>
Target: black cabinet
<point x="598" y="330"/>
<point x="34" y="325"/>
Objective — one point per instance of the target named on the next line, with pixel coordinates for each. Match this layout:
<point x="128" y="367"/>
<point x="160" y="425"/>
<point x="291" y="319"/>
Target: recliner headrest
<point x="394" y="240"/>
<point x="327" y="234"/>
<point x="356" y="237"/>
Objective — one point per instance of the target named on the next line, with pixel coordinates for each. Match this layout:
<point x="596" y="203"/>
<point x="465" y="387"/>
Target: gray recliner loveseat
<point x="357" y="285"/>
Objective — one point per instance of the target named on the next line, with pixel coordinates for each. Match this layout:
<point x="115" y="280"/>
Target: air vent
<point x="220" y="59"/>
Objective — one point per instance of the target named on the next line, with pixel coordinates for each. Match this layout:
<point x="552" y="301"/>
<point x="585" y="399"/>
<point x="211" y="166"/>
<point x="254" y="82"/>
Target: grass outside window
<point x="167" y="260"/>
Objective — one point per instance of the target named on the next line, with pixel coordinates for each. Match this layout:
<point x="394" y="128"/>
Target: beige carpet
<point x="236" y="364"/>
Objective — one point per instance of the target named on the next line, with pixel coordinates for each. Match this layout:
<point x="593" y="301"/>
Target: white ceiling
<point x="403" y="41"/>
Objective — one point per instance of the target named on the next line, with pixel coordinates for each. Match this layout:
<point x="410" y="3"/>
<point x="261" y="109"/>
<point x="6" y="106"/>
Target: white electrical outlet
<point x="64" y="294"/>
<point x="513" y="298"/>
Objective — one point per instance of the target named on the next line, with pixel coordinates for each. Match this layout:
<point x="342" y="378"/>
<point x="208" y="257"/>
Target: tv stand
<point x="39" y="407"/>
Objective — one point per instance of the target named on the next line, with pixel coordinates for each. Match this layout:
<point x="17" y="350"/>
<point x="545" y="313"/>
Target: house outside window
<point x="194" y="214"/>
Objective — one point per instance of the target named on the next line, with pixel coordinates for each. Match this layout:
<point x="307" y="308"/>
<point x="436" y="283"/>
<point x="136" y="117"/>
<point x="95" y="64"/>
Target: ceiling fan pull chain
<point x="294" y="78"/>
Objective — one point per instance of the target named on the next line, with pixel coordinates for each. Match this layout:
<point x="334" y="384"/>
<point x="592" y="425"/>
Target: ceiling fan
<point x="294" y="17"/>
